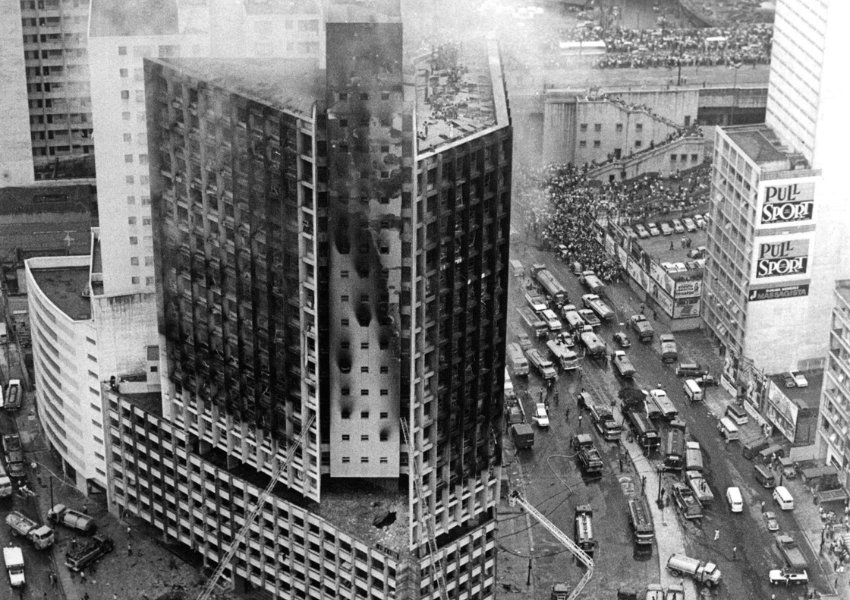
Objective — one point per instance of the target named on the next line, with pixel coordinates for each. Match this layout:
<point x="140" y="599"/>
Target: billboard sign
<point x="782" y="258"/>
<point x="688" y="289"/>
<point x="778" y="293"/>
<point x="786" y="202"/>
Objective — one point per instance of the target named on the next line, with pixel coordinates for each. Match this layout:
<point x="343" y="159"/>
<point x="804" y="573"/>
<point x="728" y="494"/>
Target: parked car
<point x="789" y="380"/>
<point x="622" y="339"/>
<point x="540" y="416"/>
<point x="653" y="229"/>
<point x="630" y="232"/>
<point x="770" y="521"/>
<point x="787" y="576"/>
<point x="666" y="229"/>
<point x="677" y="226"/>
<point x="641" y="231"/>
<point x="799" y="379"/>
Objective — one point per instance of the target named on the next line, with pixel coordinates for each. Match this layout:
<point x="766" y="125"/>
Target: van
<point x="764" y="476"/>
<point x="751" y="449"/>
<point x="693" y="392"/>
<point x="783" y="498"/>
<point x="728" y="429"/>
<point x="737" y="414"/>
<point x="735" y="499"/>
<point x="517" y="268"/>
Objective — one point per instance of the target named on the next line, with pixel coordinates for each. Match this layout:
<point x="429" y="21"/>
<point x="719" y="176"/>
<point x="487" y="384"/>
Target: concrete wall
<point x="657" y="159"/>
<point x="126" y="326"/>
<point x="16" y="163"/>
<point x="679" y="105"/>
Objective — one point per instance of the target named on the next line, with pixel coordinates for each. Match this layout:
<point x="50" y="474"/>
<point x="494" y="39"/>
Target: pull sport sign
<point x="782" y="259"/>
<point x="788" y="203"/>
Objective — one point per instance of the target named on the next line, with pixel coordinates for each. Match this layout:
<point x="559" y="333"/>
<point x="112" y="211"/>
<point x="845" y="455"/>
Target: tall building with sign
<point x="777" y="238"/>
<point x="331" y="260"/>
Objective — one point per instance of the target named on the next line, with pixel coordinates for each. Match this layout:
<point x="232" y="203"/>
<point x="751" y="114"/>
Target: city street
<point x="552" y="480"/>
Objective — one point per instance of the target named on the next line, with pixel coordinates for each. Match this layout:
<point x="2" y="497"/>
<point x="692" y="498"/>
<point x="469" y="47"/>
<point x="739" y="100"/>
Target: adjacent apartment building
<point x="331" y="252"/>
<point x="777" y="239"/>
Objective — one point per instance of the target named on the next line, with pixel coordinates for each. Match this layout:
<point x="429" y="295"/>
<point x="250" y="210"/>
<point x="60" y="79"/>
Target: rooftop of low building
<point x="65" y="287"/>
<point x="459" y="92"/>
<point x="136" y="18"/>
<point x="658" y="247"/>
<point x="805" y="397"/>
<point x="281" y="7"/>
<point x="292" y="85"/>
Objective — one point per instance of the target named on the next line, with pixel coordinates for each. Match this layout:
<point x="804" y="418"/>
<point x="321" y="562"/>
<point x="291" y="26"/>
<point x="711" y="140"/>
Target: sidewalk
<point x="513" y="536"/>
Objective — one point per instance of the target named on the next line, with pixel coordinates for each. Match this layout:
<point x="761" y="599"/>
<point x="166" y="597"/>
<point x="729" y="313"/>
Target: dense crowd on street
<point x="747" y="44"/>
<point x="574" y="201"/>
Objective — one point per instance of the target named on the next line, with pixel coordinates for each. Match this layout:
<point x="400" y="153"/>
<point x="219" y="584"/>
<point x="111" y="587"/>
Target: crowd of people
<point x="574" y="202"/>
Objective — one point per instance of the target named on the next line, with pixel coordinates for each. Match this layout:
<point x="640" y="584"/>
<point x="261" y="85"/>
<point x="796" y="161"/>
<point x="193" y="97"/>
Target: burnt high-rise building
<point x="331" y="253"/>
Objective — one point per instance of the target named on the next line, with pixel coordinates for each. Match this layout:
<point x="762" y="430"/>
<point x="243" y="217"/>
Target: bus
<point x="552" y="287"/>
<point x="674" y="449"/>
<point x="535" y="323"/>
<point x="645" y="432"/>
<point x="641" y="521"/>
<point x="516" y="359"/>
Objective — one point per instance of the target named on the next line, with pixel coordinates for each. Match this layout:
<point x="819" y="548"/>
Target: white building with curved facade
<point x="65" y="361"/>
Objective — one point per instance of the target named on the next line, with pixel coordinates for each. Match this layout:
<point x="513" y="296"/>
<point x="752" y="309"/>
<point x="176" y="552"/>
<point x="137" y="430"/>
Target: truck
<point x="516" y="359"/>
<point x="14" y="453"/>
<point x="591" y="342"/>
<point x="40" y="535"/>
<point x="14" y="559"/>
<point x="699" y="486"/>
<point x="589" y="317"/>
<point x="791" y="552"/>
<point x="642" y="327"/>
<point x="562" y="355"/>
<point x="543" y="365"/>
<point x="535" y="301"/>
<point x="522" y="435"/>
<point x="669" y="352"/>
<point x="71" y="518"/>
<point x="6" y="488"/>
<point x="595" y="303"/>
<point x="534" y="323"/>
<point x="572" y="318"/>
<point x="584" y="528"/>
<point x="14" y="394"/>
<point x="551" y="286"/>
<point x="640" y="518"/>
<point x="699" y="571"/>
<point x="603" y="419"/>
<point x="686" y="501"/>
<point x="591" y="281"/>
<point x="588" y="456"/>
<point x="623" y="364"/>
<point x="81" y="556"/>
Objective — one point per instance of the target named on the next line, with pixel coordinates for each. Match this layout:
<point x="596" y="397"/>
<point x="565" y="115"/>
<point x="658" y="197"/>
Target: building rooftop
<point x="761" y="144"/>
<point x="658" y="247"/>
<point x="64" y="287"/>
<point x="459" y="92"/>
<point x="293" y="85"/>
<point x="136" y="18"/>
<point x="807" y="397"/>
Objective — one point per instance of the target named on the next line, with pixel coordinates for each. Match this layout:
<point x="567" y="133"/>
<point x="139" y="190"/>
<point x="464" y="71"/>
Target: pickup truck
<point x="71" y="518"/>
<point x="40" y="535"/>
<point x="13" y="557"/>
<point x="623" y="364"/>
<point x="595" y="303"/>
<point x="14" y="455"/>
<point x="699" y="486"/>
<point x="791" y="552"/>
<point x="642" y="327"/>
<point x="595" y="347"/>
<point x="669" y="352"/>
<point x="536" y="301"/>
<point x="589" y="317"/>
<point x="591" y="281"/>
<point x="83" y="555"/>
<point x="588" y="455"/>
<point x="686" y="501"/>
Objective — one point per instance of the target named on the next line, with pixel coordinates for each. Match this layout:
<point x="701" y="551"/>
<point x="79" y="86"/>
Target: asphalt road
<point x="553" y="481"/>
<point x="37" y="563"/>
